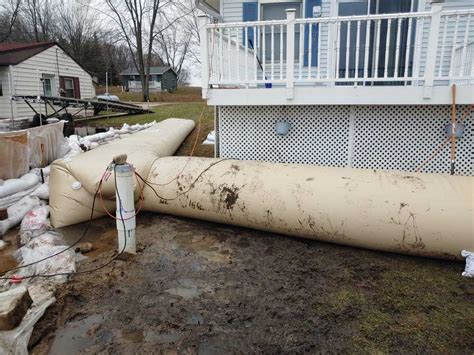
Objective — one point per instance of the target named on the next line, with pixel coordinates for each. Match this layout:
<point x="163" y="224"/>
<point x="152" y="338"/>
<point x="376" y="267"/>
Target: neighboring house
<point x="161" y="79"/>
<point x="39" y="69"/>
<point x="349" y="83"/>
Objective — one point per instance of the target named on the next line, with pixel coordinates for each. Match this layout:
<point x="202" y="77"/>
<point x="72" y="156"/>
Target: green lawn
<point x="191" y="110"/>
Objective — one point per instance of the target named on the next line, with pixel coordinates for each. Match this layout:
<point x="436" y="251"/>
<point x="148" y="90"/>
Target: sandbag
<point x="420" y="214"/>
<point x="17" y="211"/>
<point x="74" y="180"/>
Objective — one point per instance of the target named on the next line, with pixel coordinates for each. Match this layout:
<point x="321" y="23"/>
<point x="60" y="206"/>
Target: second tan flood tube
<point x="410" y="213"/>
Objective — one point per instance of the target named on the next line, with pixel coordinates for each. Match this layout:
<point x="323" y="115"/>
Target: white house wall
<point x="25" y="79"/>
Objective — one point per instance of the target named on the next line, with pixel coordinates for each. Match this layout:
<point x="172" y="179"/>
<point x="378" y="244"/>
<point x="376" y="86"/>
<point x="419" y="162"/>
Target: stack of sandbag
<point x="19" y="196"/>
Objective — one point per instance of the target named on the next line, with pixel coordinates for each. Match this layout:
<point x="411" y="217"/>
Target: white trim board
<point x="340" y="95"/>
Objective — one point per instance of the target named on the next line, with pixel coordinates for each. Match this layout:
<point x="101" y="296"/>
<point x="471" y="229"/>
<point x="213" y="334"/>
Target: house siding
<point x="25" y="79"/>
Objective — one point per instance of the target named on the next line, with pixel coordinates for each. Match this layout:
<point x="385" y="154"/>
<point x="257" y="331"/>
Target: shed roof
<point x="14" y="53"/>
<point x="153" y="71"/>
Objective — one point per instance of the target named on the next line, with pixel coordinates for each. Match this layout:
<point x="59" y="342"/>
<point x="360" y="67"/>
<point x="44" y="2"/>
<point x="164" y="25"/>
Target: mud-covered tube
<point x="73" y="182"/>
<point x="420" y="214"/>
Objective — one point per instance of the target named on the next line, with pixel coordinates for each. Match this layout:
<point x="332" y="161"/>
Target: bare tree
<point x="10" y="12"/>
<point x="178" y="44"/>
<point x="39" y="18"/>
<point x="137" y="20"/>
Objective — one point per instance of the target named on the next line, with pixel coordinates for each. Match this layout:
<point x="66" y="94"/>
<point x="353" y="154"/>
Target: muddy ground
<point x="197" y="287"/>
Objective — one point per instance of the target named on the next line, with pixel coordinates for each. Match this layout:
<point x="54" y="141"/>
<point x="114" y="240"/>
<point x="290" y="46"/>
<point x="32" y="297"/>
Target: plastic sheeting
<point x="469" y="269"/>
<point x="14" y="161"/>
<point x="31" y="148"/>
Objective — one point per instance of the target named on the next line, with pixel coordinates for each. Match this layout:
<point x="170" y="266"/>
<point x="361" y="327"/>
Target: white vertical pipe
<point x="221" y="56"/>
<point x="418" y="42"/>
<point x="125" y="208"/>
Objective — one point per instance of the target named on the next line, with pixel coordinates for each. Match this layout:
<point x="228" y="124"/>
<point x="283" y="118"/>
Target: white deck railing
<point x="424" y="48"/>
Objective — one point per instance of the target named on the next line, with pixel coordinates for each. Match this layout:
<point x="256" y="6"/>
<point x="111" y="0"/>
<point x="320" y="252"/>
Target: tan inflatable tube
<point x="73" y="182"/>
<point x="420" y="214"/>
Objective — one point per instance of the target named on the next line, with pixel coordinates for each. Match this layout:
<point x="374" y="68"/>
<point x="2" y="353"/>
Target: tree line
<point x="111" y="35"/>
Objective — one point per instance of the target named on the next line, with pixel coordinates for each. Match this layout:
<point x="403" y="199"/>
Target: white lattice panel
<point x="376" y="137"/>
<point x="402" y="137"/>
<point x="248" y="132"/>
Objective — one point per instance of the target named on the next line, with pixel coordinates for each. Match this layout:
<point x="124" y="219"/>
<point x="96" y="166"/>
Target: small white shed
<point x="39" y="69"/>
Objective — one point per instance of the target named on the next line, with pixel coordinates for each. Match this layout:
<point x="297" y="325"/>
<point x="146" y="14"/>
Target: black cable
<point x="83" y="235"/>
<point x="183" y="192"/>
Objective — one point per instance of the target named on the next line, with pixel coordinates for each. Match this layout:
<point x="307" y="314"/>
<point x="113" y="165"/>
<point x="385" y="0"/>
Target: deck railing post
<point x="432" y="48"/>
<point x="290" y="52"/>
<point x="203" y="21"/>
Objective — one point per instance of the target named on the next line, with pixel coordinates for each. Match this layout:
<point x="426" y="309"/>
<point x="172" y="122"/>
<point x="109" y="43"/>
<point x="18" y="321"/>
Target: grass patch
<point x="191" y="110"/>
<point x="182" y="94"/>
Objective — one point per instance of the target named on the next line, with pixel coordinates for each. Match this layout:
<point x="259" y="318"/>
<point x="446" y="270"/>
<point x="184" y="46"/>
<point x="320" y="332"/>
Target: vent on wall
<point x="375" y="137"/>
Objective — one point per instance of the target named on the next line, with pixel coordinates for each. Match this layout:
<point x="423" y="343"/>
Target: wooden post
<point x="290" y="52"/>
<point x="203" y="21"/>
<point x="432" y="49"/>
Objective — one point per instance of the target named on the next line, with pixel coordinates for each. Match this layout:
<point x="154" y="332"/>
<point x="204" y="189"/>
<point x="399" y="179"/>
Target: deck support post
<point x="203" y="21"/>
<point x="432" y="49"/>
<point x="290" y="52"/>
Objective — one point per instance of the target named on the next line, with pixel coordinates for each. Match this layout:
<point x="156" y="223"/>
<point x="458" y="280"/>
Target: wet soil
<point x="196" y="287"/>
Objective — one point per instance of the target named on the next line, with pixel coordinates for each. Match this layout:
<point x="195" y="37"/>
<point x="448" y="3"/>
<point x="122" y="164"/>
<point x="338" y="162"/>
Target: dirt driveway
<point x="197" y="287"/>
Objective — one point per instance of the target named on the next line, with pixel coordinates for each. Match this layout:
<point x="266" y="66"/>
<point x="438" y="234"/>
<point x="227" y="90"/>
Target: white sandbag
<point x="211" y="138"/>
<point x="10" y="200"/>
<point x="34" y="224"/>
<point x="42" y="247"/>
<point x="44" y="171"/>
<point x="469" y="270"/>
<point x="17" y="211"/>
<point x="11" y="186"/>
<point x="3" y="245"/>
<point x="42" y="191"/>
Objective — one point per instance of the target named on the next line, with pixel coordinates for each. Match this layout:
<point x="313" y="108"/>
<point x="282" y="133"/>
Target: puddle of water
<point x="77" y="336"/>
<point x="6" y="255"/>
